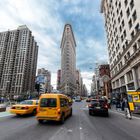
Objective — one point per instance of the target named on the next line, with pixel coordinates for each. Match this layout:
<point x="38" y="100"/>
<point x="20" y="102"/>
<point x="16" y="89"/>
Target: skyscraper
<point x="68" y="61"/>
<point x="18" y="61"/>
<point x="122" y="22"/>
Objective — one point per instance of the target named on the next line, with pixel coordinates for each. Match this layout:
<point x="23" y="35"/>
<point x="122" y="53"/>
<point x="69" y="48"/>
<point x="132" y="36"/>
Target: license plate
<point x="98" y="107"/>
<point x="42" y="109"/>
<point x="18" y="108"/>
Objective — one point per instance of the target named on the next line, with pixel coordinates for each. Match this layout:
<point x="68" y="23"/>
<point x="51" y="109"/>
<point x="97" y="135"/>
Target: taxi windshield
<point x="26" y="102"/>
<point x="48" y="102"/>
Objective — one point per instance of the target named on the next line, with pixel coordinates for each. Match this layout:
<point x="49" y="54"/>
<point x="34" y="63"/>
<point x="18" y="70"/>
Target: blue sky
<point x="46" y="20"/>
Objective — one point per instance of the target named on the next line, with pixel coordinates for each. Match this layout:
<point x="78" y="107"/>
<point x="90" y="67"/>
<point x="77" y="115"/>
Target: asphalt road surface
<point x="80" y="126"/>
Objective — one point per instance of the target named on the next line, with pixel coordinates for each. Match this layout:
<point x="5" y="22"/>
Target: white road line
<point x="57" y="133"/>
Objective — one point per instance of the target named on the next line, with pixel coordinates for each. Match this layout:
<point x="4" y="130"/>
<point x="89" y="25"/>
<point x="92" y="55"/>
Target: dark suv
<point x="98" y="106"/>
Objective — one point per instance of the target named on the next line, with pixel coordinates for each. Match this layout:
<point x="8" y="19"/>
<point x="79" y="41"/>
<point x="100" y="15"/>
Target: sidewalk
<point x="113" y="108"/>
<point x="6" y="113"/>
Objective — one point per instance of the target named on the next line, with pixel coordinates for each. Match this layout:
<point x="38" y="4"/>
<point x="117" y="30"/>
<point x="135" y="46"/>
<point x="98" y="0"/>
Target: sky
<point x="46" y="20"/>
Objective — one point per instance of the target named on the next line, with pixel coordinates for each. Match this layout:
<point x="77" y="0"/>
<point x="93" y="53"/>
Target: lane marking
<point x="56" y="133"/>
<point x="70" y="130"/>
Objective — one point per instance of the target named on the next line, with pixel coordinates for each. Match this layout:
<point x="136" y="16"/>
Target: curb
<point x="121" y="113"/>
<point x="5" y="114"/>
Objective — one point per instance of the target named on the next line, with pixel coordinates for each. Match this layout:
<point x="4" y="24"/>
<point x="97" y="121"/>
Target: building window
<point x="122" y="38"/>
<point x="117" y="11"/>
<point x="119" y="19"/>
<point x="125" y="58"/>
<point x="121" y="14"/>
<point x="129" y="76"/>
<point x="126" y="43"/>
<point x="137" y="28"/>
<point x="123" y="48"/>
<point x="126" y="2"/>
<point x="132" y="4"/>
<point x="124" y="33"/>
<point x="119" y="4"/>
<point x="122" y="80"/>
<point x="134" y="16"/>
<point x="132" y="35"/>
<point x="117" y="83"/>
<point x="130" y="23"/>
<point x="120" y="29"/>
<point x="128" y="55"/>
<point x="116" y="3"/>
<point x="123" y="23"/>
<point x="135" y="48"/>
<point x="128" y="12"/>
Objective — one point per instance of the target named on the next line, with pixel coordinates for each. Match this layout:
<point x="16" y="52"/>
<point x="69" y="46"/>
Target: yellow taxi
<point x="54" y="106"/>
<point x="25" y="107"/>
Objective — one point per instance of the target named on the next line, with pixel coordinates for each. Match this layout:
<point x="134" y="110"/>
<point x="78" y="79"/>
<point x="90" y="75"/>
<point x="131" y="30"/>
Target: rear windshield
<point x="97" y="101"/>
<point x="26" y="102"/>
<point x="48" y="102"/>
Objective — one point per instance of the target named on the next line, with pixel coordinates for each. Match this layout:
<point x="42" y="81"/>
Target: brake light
<point x="106" y="106"/>
<point x="26" y="107"/>
<point x="22" y="107"/>
<point x="13" y="107"/>
<point x="89" y="105"/>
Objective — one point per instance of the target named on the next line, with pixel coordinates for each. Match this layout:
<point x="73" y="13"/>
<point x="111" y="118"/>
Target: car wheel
<point x="62" y="120"/>
<point x="90" y="113"/>
<point x="40" y="121"/>
<point x="107" y="114"/>
<point x="18" y="115"/>
<point x="34" y="112"/>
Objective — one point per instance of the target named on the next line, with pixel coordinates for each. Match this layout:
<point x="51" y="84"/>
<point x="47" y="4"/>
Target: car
<point x="77" y="99"/>
<point x="55" y="107"/>
<point x="25" y="107"/>
<point x="98" y="106"/>
<point x="88" y="100"/>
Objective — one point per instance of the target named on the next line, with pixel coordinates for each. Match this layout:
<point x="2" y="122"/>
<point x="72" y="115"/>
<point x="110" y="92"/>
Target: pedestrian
<point x="118" y="104"/>
<point x="128" y="113"/>
<point x="123" y="104"/>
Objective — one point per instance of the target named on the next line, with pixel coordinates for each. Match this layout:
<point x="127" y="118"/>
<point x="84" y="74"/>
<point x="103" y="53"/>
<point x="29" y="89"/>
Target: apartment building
<point x="68" y="61"/>
<point x="18" y="61"/>
<point x="122" y="23"/>
<point x="45" y="79"/>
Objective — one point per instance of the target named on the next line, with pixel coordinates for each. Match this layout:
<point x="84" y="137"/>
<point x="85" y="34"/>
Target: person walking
<point x="128" y="113"/>
<point x="123" y="104"/>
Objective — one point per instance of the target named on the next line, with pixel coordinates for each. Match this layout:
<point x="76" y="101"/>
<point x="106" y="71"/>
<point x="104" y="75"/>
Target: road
<point x="80" y="126"/>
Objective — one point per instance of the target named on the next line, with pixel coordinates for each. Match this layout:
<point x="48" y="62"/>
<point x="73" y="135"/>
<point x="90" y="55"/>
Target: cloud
<point x="46" y="20"/>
